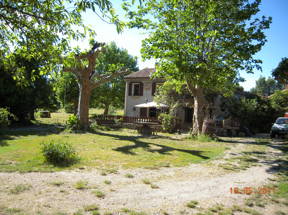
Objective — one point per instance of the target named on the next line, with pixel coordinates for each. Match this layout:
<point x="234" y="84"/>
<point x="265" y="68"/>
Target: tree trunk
<point x="200" y="110"/>
<point x="83" y="104"/>
<point x="106" y="109"/>
<point x="75" y="106"/>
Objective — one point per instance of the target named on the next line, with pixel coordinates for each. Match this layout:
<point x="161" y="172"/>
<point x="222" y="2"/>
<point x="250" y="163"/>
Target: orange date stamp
<point x="251" y="190"/>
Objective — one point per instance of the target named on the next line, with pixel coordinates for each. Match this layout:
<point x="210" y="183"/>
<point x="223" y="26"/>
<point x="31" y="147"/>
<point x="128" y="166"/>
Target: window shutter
<point x="141" y="89"/>
<point x="130" y="89"/>
<point x="153" y="88"/>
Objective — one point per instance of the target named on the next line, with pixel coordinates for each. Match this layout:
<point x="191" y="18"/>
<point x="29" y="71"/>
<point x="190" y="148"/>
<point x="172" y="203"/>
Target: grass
<point x="154" y="186"/>
<point x="99" y="194"/>
<point x="20" y="188"/>
<point x="81" y="185"/>
<point x="192" y="204"/>
<point x="146" y="181"/>
<point x="108" y="150"/>
<point x="57" y="183"/>
<point x="91" y="207"/>
<point x="128" y="175"/>
<point x="11" y="211"/>
<point x="107" y="182"/>
<point x="132" y="212"/>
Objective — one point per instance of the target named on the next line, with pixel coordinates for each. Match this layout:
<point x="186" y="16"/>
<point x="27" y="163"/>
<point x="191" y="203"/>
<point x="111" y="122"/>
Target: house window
<point x="136" y="89"/>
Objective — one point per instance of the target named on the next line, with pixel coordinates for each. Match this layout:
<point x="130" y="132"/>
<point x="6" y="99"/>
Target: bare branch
<point x="106" y="78"/>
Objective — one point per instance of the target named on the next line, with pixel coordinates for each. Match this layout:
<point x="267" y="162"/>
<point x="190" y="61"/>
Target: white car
<point x="280" y="127"/>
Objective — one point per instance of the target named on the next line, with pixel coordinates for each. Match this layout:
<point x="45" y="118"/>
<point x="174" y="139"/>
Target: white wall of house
<point x="131" y="101"/>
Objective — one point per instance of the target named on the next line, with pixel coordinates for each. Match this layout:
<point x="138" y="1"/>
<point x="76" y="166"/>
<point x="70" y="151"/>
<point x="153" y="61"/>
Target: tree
<point x="253" y="112"/>
<point x="266" y="87"/>
<point x="37" y="92"/>
<point x="279" y="101"/>
<point x="202" y="43"/>
<point x="67" y="91"/>
<point x="83" y="66"/>
<point x="112" y="93"/>
<point x="44" y="23"/>
<point x="281" y="72"/>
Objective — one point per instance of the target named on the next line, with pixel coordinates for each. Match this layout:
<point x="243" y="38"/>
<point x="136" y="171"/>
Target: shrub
<point x="167" y="122"/>
<point x="72" y="122"/>
<point x="5" y="117"/>
<point x="59" y="154"/>
<point x="69" y="108"/>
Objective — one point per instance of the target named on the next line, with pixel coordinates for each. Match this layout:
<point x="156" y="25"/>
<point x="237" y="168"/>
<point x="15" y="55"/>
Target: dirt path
<point x="171" y="188"/>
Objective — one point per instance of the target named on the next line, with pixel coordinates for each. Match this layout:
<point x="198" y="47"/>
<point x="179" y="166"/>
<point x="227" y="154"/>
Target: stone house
<point x="139" y="98"/>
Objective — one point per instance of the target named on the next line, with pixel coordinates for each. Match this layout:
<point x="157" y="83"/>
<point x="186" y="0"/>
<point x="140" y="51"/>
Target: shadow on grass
<point x="277" y="165"/>
<point x="38" y="130"/>
<point x="149" y="147"/>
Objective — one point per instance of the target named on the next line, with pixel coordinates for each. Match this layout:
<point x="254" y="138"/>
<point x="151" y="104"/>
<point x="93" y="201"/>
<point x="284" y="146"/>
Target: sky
<point x="271" y="54"/>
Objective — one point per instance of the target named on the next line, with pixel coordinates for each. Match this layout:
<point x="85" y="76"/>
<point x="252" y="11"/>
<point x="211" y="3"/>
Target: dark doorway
<point x="152" y="112"/>
<point x="188" y="114"/>
<point x="143" y="112"/>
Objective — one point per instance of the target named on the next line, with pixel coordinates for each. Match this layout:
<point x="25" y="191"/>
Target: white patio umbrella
<point x="150" y="104"/>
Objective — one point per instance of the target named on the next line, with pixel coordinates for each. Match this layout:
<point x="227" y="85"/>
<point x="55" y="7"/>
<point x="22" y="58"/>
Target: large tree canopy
<point x="37" y="92"/>
<point x="204" y="43"/>
<point x="42" y="23"/>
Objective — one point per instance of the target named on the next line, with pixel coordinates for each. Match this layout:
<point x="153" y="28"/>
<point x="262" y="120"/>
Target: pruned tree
<point x="83" y="66"/>
<point x="112" y="93"/>
<point x="202" y="43"/>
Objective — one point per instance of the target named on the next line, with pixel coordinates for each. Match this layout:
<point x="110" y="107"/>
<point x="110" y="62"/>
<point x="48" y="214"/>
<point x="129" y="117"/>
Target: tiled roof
<point x="144" y="73"/>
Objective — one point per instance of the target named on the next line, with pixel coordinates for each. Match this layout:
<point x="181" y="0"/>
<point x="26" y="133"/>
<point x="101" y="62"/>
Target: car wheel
<point x="272" y="135"/>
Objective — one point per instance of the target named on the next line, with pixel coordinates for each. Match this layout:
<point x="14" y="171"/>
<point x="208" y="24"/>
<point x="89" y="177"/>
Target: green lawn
<point x="20" y="149"/>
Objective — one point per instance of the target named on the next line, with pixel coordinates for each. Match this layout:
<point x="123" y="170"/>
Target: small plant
<point x="105" y="172"/>
<point x="5" y="118"/>
<point x="91" y="208"/>
<point x="192" y="204"/>
<point x="154" y="186"/>
<point x="81" y="185"/>
<point x="146" y="181"/>
<point x="96" y="212"/>
<point x="99" y="194"/>
<point x="131" y="212"/>
<point x="167" y="122"/>
<point x="57" y="183"/>
<point x="107" y="182"/>
<point x="20" y="188"/>
<point x="203" y="138"/>
<point x="128" y="175"/>
<point x="79" y="212"/>
<point x="59" y="154"/>
<point x="280" y="213"/>
<point x="72" y="122"/>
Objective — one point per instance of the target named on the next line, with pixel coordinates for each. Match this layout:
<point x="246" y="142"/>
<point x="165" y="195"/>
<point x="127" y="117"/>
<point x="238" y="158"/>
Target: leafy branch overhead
<point x="45" y="23"/>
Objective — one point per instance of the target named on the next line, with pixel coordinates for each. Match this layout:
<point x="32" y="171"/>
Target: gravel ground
<point x="171" y="188"/>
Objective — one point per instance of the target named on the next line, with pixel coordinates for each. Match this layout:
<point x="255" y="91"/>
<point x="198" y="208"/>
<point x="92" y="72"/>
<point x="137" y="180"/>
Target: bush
<point x="69" y="108"/>
<point x="72" y="122"/>
<point x="59" y="154"/>
<point x="167" y="122"/>
<point x="5" y="118"/>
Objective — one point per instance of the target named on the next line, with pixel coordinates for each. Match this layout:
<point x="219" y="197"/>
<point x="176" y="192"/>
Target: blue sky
<point x="271" y="54"/>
